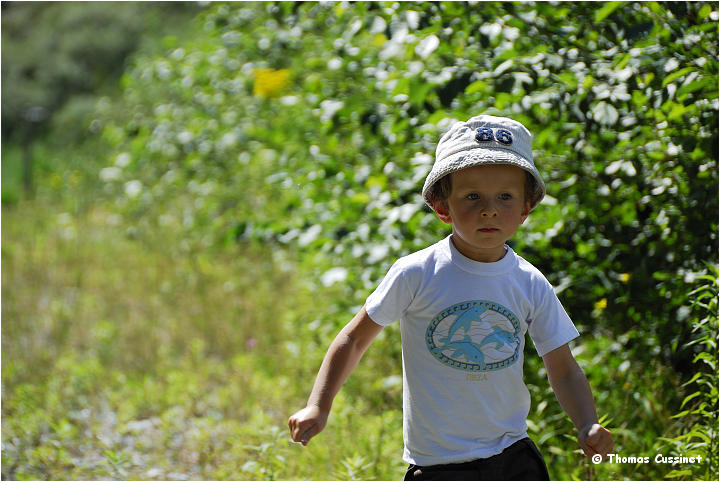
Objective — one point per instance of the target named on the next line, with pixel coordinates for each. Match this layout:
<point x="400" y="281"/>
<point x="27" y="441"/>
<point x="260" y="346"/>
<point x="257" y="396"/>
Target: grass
<point x="147" y="358"/>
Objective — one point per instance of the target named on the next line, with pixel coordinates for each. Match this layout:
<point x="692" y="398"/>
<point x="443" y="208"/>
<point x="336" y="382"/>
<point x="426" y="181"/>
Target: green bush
<point x="312" y="127"/>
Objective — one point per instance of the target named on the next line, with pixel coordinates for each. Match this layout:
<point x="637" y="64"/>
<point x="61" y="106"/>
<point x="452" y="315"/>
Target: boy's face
<point x="485" y="207"/>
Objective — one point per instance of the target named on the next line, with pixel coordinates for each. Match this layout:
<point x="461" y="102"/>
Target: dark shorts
<point x="520" y="461"/>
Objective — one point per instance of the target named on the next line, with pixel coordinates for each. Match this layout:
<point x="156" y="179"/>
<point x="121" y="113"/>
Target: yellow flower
<point x="625" y="277"/>
<point x="601" y="305"/>
<point x="270" y="82"/>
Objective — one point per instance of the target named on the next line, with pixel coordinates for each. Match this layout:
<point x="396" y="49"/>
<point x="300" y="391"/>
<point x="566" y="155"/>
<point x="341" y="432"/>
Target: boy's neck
<point x="480" y="255"/>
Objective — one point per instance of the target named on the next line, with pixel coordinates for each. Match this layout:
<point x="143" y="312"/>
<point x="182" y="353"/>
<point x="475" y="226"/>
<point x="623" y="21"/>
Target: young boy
<point x="464" y="306"/>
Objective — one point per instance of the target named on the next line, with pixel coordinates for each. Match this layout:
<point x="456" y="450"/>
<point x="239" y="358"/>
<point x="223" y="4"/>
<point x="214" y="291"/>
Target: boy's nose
<point x="488" y="209"/>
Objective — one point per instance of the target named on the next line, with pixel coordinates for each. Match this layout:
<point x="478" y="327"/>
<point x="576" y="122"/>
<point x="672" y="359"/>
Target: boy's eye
<point x="473" y="196"/>
<point x="506" y="196"/>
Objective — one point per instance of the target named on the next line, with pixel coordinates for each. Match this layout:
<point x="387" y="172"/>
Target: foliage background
<point x="196" y="230"/>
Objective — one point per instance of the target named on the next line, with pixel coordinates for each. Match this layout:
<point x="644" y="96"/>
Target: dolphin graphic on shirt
<point x="468" y="349"/>
<point x="500" y="337"/>
<point x="465" y="320"/>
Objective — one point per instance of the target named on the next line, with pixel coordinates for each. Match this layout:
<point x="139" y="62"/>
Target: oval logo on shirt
<point x="475" y="336"/>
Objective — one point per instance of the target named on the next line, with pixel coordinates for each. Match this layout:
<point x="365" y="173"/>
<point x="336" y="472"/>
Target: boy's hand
<point x="307" y="423"/>
<point x="595" y="439"/>
<point x="340" y="360"/>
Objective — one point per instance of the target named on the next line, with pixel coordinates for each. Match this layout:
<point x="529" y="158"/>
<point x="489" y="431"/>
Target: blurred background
<point x="197" y="196"/>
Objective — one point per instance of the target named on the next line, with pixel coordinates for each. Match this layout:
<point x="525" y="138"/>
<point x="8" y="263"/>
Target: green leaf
<point x="607" y="10"/>
<point x="677" y="75"/>
<point x="678" y="110"/>
<point x="477" y="86"/>
<point x="676" y="474"/>
<point x="419" y="91"/>
<point x="692" y="87"/>
<point x="705" y="11"/>
<point x="681" y="414"/>
<point x="623" y="62"/>
<point x="695" y="377"/>
<point x="656" y="8"/>
<point x="690" y="397"/>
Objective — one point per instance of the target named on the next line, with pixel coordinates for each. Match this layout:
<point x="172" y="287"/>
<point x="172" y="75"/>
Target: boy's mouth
<point x="488" y="230"/>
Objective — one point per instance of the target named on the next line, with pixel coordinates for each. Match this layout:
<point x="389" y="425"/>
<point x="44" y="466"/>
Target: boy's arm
<point x="340" y="360"/>
<point x="573" y="392"/>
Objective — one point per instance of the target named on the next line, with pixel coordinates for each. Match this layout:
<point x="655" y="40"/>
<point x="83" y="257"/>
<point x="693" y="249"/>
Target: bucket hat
<point x="484" y="140"/>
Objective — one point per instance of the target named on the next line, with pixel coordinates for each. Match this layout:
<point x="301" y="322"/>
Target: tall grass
<point x="144" y="357"/>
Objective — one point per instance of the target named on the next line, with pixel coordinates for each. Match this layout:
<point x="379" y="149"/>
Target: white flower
<point x="122" y="159"/>
<point x="133" y="188"/>
<point x="185" y="137"/>
<point x="605" y="113"/>
<point x="491" y="30"/>
<point x="427" y="46"/>
<point x="310" y="235"/>
<point x="329" y="108"/>
<point x="671" y="64"/>
<point x="334" y="63"/>
<point x="378" y="26"/>
<point x="230" y="139"/>
<point x="334" y="275"/>
<point x="110" y="174"/>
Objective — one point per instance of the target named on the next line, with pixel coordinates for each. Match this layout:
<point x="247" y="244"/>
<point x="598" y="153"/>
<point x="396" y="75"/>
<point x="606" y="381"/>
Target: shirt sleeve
<point x="392" y="297"/>
<point x="550" y="326"/>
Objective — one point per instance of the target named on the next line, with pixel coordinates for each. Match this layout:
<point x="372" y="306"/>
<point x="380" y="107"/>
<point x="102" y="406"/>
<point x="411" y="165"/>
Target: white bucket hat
<point x="484" y="140"/>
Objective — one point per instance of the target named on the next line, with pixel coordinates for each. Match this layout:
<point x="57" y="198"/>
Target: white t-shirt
<point x="463" y="326"/>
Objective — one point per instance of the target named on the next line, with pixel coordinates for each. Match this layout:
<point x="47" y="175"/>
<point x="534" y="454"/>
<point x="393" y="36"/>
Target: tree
<point x="54" y="53"/>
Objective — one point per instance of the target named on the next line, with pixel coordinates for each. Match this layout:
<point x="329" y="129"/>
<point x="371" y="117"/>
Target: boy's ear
<point x="525" y="213"/>
<point x="442" y="211"/>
